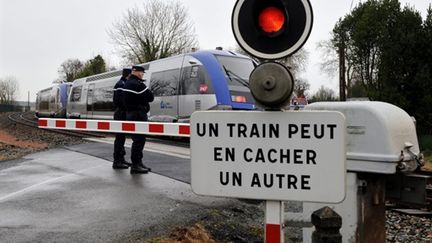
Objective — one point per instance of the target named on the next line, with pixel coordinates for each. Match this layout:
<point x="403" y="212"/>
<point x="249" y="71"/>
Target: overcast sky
<point x="36" y="36"/>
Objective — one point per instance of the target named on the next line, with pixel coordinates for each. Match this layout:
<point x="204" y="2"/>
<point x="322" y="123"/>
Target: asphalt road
<point x="67" y="195"/>
<point x="168" y="159"/>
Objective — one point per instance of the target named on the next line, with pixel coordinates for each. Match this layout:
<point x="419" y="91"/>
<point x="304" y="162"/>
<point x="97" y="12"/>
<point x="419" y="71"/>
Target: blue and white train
<point x="202" y="80"/>
<point x="51" y="102"/>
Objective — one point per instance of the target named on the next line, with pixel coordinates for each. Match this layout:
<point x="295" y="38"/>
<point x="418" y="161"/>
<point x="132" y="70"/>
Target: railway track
<point x="29" y="119"/>
<point x="412" y="190"/>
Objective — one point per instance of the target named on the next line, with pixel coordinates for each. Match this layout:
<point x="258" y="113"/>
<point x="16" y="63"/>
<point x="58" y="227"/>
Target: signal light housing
<point x="271" y="85"/>
<point x="272" y="29"/>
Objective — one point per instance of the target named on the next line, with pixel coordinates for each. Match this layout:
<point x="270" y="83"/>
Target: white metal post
<point x="273" y="222"/>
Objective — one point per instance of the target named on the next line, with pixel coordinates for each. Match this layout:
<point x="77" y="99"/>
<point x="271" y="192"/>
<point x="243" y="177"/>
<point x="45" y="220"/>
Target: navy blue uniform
<point x="136" y="99"/>
<point x="119" y="115"/>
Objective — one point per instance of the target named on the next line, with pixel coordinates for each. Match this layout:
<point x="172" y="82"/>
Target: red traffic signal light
<point x="271" y="20"/>
<point x="272" y="29"/>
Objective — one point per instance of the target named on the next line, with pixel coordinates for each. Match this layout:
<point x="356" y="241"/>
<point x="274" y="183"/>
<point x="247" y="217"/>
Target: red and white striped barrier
<point x="136" y="127"/>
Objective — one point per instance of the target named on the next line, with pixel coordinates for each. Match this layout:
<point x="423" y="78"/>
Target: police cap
<point x="138" y="68"/>
<point x="126" y="72"/>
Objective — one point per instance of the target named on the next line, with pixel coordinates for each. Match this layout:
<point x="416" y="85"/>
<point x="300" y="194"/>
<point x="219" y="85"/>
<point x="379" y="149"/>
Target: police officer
<point x="136" y="99"/>
<point x="120" y="115"/>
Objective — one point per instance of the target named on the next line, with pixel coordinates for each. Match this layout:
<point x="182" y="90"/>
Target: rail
<point x="148" y="128"/>
<point x="29" y="119"/>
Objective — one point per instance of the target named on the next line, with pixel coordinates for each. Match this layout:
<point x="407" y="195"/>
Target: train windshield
<point x="237" y="70"/>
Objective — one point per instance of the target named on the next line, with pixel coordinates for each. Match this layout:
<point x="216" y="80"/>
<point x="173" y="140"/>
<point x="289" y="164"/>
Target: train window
<point x="237" y="70"/>
<point x="102" y="99"/>
<point x="165" y="83"/>
<point x="195" y="81"/>
<point x="76" y="94"/>
<point x="194" y="72"/>
<point x="52" y="98"/>
<point x="44" y="101"/>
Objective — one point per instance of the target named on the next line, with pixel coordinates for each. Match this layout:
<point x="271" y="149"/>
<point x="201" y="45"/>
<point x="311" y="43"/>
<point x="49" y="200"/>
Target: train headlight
<point x="238" y="98"/>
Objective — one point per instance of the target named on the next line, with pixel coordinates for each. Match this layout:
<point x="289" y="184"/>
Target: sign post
<point x="273" y="156"/>
<point x="261" y="158"/>
<point x="273" y="222"/>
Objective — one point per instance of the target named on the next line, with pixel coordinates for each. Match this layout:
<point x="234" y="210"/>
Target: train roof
<point x="54" y="85"/>
<point x="44" y="90"/>
<point x="201" y="52"/>
<point x="118" y="73"/>
<point x="111" y="74"/>
<point x="220" y="53"/>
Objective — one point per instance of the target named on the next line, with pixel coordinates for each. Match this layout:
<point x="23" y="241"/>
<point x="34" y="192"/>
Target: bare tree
<point x="301" y="86"/>
<point x="70" y="68"/>
<point x="324" y="94"/>
<point x="329" y="58"/>
<point x="336" y="60"/>
<point x="9" y="88"/>
<point x="159" y="29"/>
<point x="296" y="63"/>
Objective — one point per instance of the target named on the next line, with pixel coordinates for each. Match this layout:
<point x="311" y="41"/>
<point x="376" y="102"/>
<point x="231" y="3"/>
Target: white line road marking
<point x="42" y="183"/>
<point x="174" y="151"/>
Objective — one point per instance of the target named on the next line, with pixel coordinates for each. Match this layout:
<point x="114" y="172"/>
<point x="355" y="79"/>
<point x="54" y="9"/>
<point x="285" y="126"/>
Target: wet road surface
<point x="65" y="196"/>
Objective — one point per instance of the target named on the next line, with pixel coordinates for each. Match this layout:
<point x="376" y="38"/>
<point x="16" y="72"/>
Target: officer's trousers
<point x="120" y="138"/>
<point x="138" y="139"/>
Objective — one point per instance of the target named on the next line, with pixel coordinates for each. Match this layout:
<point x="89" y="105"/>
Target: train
<point x="182" y="84"/>
<point x="52" y="101"/>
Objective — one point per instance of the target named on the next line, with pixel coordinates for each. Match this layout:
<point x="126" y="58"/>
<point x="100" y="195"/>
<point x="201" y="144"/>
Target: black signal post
<point x="270" y="30"/>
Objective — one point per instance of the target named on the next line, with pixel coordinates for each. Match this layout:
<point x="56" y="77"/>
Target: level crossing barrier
<point x="133" y="127"/>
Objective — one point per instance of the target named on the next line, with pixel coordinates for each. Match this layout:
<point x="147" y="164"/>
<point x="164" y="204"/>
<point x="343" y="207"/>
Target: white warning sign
<point x="269" y="155"/>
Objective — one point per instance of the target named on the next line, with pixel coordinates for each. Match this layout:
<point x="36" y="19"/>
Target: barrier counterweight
<point x="136" y="127"/>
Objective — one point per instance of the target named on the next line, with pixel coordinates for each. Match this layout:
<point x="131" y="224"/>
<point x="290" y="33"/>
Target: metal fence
<point x="9" y="108"/>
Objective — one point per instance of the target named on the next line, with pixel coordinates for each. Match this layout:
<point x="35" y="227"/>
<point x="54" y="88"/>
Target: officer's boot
<point x="119" y="163"/>
<point x="138" y="168"/>
<point x="123" y="161"/>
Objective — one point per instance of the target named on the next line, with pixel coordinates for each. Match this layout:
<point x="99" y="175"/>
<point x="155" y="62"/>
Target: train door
<point x="44" y="103"/>
<point x="57" y="108"/>
<point x="52" y="106"/>
<point x="90" y="100"/>
<point x="164" y="82"/>
<point x="37" y="103"/>
<point x="103" y="99"/>
<point x="195" y="89"/>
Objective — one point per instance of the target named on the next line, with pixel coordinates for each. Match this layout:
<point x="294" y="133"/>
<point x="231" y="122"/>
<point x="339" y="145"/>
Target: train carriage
<point x="52" y="101"/>
<point x="181" y="84"/>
